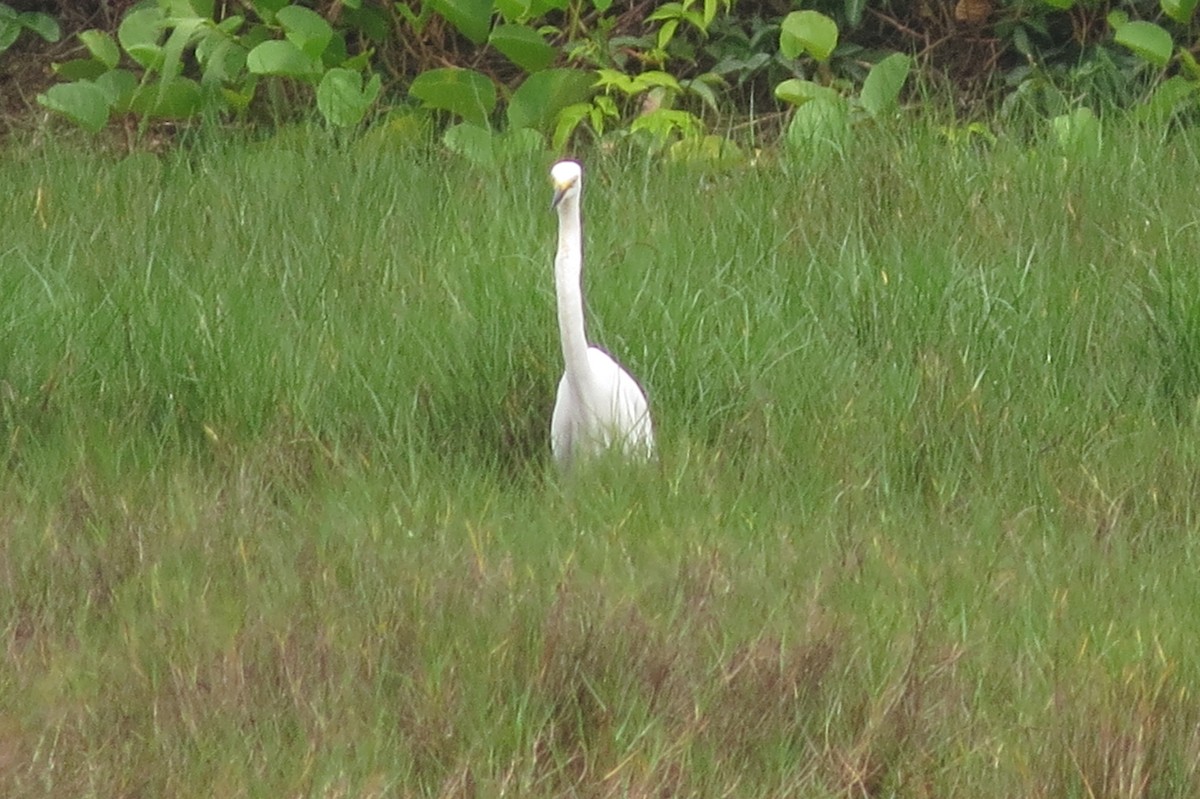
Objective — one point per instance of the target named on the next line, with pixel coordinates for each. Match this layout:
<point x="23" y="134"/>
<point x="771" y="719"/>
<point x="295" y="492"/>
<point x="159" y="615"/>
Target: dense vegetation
<point x="711" y="74"/>
<point x="277" y="516"/>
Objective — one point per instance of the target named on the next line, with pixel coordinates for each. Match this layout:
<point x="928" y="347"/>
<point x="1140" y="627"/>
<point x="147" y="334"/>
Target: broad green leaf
<point x="267" y="9"/>
<point x="707" y="151"/>
<point x="537" y="102"/>
<point x="402" y="128"/>
<point x="82" y="102"/>
<point x="615" y="79"/>
<point x="472" y="18"/>
<point x="342" y="99"/>
<point x="1180" y="10"/>
<point x="705" y="92"/>
<point x="656" y="77"/>
<point x="306" y="29"/>
<point x="820" y="128"/>
<point x="1167" y="100"/>
<point x="1022" y="43"/>
<point x="221" y="59"/>
<point x="663" y="122"/>
<point x="854" y="12"/>
<point x="231" y="25"/>
<point x="513" y="10"/>
<point x="10" y="29"/>
<point x="359" y="62"/>
<point x="177" y="99"/>
<point x="181" y="9"/>
<point x="1078" y="133"/>
<point x="519" y="144"/>
<point x="1061" y="5"/>
<point x="118" y="86"/>
<point x="336" y="55"/>
<point x="281" y="57"/>
<point x="666" y="33"/>
<point x="799" y="92"/>
<point x="416" y="21"/>
<point x="101" y="46"/>
<point x="1117" y="19"/>
<point x="474" y="143"/>
<point x="464" y="92"/>
<point x="522" y="45"/>
<point x="1148" y="40"/>
<point x="79" y="69"/>
<point x="883" y="84"/>
<point x="635" y="84"/>
<point x="569" y="119"/>
<point x="370" y="22"/>
<point x="140" y="33"/>
<point x="42" y="24"/>
<point x="203" y="8"/>
<point x="239" y="99"/>
<point x="172" y="51"/>
<point x="670" y="10"/>
<point x="808" y="32"/>
<point x="1187" y="62"/>
<point x="488" y="149"/>
<point x="605" y="107"/>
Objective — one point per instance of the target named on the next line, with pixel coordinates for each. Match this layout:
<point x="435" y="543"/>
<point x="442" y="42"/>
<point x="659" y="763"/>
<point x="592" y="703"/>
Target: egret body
<point x="599" y="406"/>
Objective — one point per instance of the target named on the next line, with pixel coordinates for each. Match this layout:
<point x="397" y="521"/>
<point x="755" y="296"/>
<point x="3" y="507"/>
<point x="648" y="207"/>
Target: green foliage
<point x="83" y="102"/>
<point x="555" y="103"/>
<point x="12" y="22"/>
<point x="472" y="18"/>
<point x="808" y="32"/>
<point x="883" y="84"/>
<point x="1181" y="11"/>
<point x="1155" y="45"/>
<point x="524" y="46"/>
<point x="462" y="92"/>
<point x="342" y="97"/>
<point x="821" y="122"/>
<point x="541" y="98"/>
<point x="1146" y="39"/>
<point x="188" y="62"/>
<point x="665" y="73"/>
<point x="1078" y="134"/>
<point x="1168" y="98"/>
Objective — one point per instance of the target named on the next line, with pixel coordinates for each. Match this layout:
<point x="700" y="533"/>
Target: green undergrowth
<point x="277" y="516"/>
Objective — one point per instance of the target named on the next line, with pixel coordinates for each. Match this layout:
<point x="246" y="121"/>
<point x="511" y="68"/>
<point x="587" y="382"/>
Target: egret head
<point x="567" y="177"/>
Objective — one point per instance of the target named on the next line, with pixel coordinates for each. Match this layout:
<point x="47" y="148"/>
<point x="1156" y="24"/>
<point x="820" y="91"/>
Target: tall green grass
<point x="278" y="517"/>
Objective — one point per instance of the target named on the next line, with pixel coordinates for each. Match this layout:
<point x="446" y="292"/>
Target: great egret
<point x="599" y="406"/>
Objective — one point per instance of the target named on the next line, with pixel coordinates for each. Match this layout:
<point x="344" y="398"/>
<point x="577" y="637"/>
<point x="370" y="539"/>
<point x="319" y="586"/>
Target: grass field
<point x="277" y="517"/>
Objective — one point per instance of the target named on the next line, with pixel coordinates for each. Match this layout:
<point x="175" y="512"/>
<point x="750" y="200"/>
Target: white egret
<point x="599" y="406"/>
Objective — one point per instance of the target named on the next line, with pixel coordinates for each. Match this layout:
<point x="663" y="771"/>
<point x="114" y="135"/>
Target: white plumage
<point x="599" y="406"/>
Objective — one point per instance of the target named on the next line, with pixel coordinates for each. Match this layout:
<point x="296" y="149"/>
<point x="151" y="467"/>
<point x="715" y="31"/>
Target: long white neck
<point x="568" y="273"/>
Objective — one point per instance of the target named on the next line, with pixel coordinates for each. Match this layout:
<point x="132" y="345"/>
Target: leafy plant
<point x="741" y="49"/>
<point x="183" y="61"/>
<point x="1078" y="134"/>
<point x="1155" y="45"/>
<point x="1148" y="40"/>
<point x="12" y="22"/>
<point x="823" y="114"/>
<point x="609" y="98"/>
